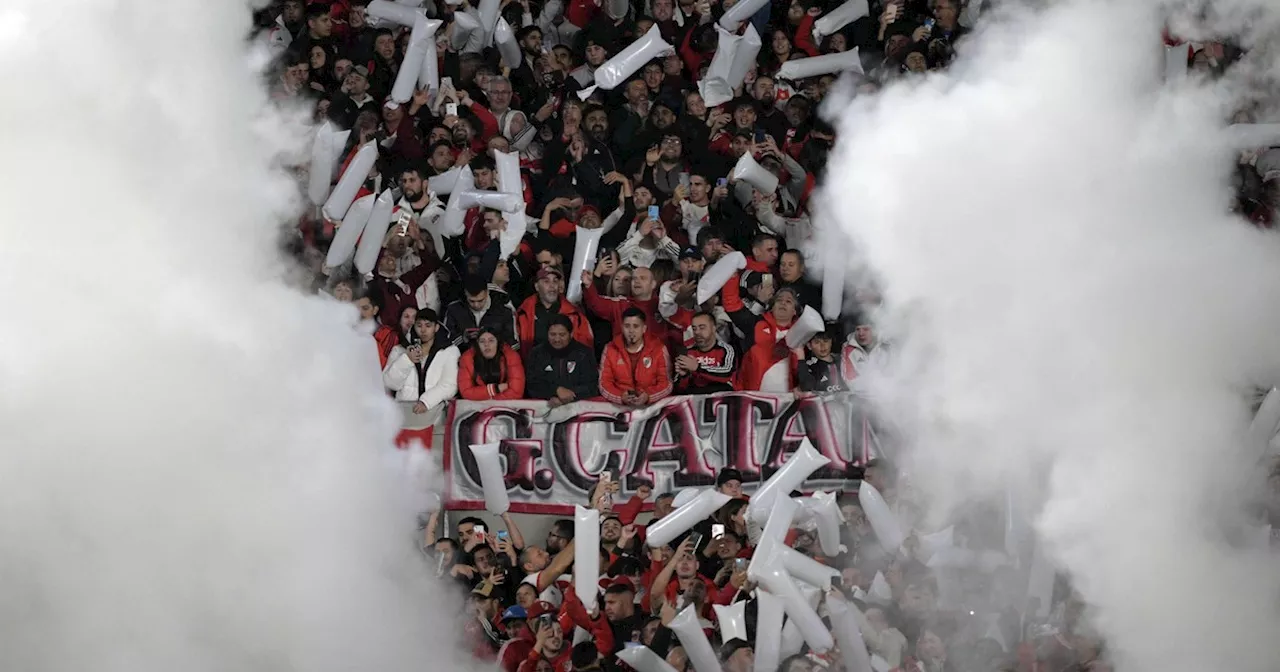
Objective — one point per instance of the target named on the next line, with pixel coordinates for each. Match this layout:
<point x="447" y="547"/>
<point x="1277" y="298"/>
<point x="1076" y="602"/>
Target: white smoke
<point x="193" y="472"/>
<point x="1049" y="227"/>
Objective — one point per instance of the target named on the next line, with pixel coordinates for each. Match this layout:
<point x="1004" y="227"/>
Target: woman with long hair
<point x="490" y="369"/>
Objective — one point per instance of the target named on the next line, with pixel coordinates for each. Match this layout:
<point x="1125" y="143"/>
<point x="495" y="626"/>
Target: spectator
<point x="729" y="482"/>
<point x="384" y="336"/>
<point x="635" y="368"/>
<point x="490" y="369"/>
<point x="537" y="313"/>
<point x="481" y="631"/>
<point x="396" y="289"/>
<point x="863" y="352"/>
<point x="760" y="369"/>
<point x="820" y="372"/>
<point x="355" y="98"/>
<point x="619" y="608"/>
<point x="738" y="656"/>
<point x="464" y="319"/>
<point x="710" y="366"/>
<point x="791" y="274"/>
<point x="641" y="297"/>
<point x="562" y="370"/>
<point x="427" y="373"/>
<point x="519" y="638"/>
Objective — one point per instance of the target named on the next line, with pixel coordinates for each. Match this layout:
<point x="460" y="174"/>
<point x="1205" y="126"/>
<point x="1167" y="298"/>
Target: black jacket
<point x="573" y="367"/>
<point x="818" y="376"/>
<point x="462" y="327"/>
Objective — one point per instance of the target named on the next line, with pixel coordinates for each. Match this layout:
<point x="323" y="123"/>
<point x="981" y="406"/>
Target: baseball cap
<point x="514" y="613"/>
<point x="359" y="70"/>
<point x="484" y="589"/>
<point x="728" y="474"/>
<point x="548" y="271"/>
<point x="539" y="608"/>
<point x="691" y="253"/>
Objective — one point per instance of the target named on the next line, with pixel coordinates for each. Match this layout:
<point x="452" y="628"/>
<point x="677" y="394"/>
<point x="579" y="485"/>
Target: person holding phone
<point x="427" y="374"/>
<point x="635" y="367"/>
<point x="649" y="243"/>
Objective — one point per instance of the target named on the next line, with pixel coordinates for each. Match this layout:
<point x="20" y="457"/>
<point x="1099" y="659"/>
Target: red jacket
<point x="386" y="338"/>
<point x="649" y="371"/>
<point x="611" y="308"/>
<point x="514" y="651"/>
<point x="731" y="293"/>
<point x="766" y="351"/>
<point x="471" y="387"/>
<point x="526" y="317"/>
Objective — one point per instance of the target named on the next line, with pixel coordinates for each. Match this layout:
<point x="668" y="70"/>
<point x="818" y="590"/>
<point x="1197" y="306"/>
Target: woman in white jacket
<point x="427" y="371"/>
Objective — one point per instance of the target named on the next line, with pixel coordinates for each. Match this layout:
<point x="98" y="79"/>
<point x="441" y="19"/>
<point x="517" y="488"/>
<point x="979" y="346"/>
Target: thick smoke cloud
<point x="1071" y="299"/>
<point x="193" y="474"/>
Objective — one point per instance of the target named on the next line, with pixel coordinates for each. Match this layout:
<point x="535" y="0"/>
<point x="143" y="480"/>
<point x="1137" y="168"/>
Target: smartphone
<point x="928" y="26"/>
<point x="722" y="182"/>
<point x="759" y="135"/>
<point x="446" y="82"/>
<point x="451" y="109"/>
<point x="478" y="529"/>
<point x="717" y="531"/>
<point x="653" y="212"/>
<point x="740" y="564"/>
<point x="684" y="180"/>
<point x="696" y="539"/>
<point x="615" y="474"/>
<point x="606" y="476"/>
<point x="503" y="535"/>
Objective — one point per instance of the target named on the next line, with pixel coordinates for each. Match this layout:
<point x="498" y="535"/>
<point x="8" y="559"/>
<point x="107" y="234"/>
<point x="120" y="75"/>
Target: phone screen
<point x="451" y="109"/>
<point x="478" y="529"/>
<point x="717" y="531"/>
<point x="653" y="212"/>
<point x="722" y="182"/>
<point x="759" y="136"/>
<point x="502" y="535"/>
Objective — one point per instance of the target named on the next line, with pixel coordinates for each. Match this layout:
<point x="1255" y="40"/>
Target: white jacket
<point x="441" y="384"/>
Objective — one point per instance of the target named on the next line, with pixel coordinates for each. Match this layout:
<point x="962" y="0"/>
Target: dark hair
<point x="563" y="528"/>
<point x="437" y="145"/>
<point x="762" y="238"/>
<point x="792" y="250"/>
<point x="584" y="655"/>
<point x="482" y="162"/>
<point x="525" y="31"/>
<point x="383" y="31"/>
<point x="470" y="519"/>
<point x="710" y="233"/>
<point x="709" y="316"/>
<point x="316" y="10"/>
<point x="474" y="285"/>
<point x="634" y="312"/>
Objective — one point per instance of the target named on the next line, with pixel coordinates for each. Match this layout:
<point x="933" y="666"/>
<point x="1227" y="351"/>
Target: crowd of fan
<point x="525" y="616"/>
<point x="651" y="164"/>
<point x="648" y="162"/>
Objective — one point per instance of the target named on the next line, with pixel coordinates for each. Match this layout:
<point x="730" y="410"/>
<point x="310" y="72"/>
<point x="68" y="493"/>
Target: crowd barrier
<point x="553" y="456"/>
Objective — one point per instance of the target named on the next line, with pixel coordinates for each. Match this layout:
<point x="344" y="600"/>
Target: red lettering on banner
<point x="683" y="449"/>
<point x="566" y="445"/>
<point x="743" y="412"/>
